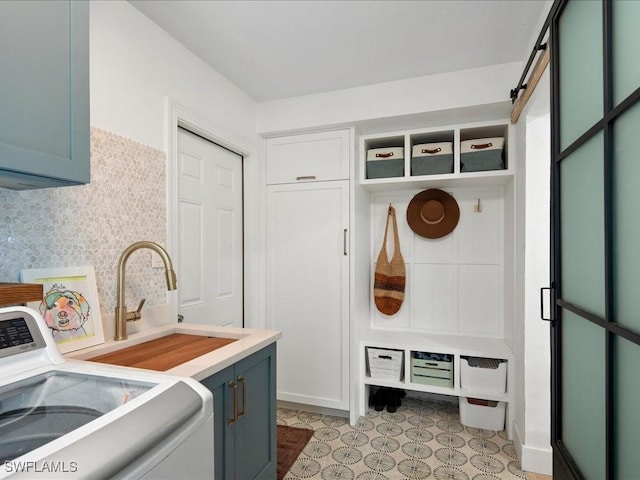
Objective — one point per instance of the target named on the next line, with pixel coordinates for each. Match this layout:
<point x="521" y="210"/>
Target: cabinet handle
<point x="244" y="395"/>
<point x="344" y="241"/>
<point x="234" y="385"/>
<point x="306" y="177"/>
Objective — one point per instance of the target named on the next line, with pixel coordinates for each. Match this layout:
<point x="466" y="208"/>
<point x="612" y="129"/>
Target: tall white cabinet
<point x="308" y="265"/>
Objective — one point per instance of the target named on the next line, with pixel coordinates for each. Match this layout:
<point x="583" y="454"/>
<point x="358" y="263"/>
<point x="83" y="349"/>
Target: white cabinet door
<point x="308" y="290"/>
<point x="308" y="158"/>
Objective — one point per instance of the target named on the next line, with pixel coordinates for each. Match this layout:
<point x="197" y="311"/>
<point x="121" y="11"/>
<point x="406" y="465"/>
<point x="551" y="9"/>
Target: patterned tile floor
<point x="423" y="439"/>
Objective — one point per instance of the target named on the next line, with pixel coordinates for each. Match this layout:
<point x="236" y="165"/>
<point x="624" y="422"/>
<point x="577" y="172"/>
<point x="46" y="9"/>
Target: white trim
<point x="532" y="459"/>
<point x="516" y="437"/>
<point x="253" y="191"/>
<point x="537" y="460"/>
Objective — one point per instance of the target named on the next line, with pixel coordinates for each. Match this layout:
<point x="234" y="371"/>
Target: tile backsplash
<point x="92" y="224"/>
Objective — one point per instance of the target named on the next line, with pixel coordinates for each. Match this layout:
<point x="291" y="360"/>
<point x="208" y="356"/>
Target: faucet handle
<point x="137" y="315"/>
<point x="139" y="309"/>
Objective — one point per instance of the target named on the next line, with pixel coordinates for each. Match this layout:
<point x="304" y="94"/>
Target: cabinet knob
<point x="306" y="177"/>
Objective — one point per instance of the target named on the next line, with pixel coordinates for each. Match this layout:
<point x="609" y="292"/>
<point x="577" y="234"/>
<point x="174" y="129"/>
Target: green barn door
<point x="596" y="239"/>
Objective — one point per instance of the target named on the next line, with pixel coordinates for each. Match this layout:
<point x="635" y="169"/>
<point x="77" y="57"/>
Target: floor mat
<point x="291" y="441"/>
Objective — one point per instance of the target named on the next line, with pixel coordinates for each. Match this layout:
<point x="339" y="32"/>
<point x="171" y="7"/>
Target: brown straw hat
<point x="433" y="213"/>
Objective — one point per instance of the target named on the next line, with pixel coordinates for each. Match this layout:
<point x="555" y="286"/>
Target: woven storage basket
<point x="481" y="154"/>
<point x="385" y="162"/>
<point x="432" y="158"/>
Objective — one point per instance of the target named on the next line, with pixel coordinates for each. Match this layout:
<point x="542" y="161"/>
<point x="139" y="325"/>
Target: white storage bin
<point x="385" y="364"/>
<point x="478" y="413"/>
<point x="483" y="374"/>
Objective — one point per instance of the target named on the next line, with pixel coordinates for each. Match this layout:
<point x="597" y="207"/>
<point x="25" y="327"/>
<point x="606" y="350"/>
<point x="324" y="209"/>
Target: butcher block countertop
<point x="186" y="350"/>
<point x="163" y="353"/>
<point x="18" y="293"/>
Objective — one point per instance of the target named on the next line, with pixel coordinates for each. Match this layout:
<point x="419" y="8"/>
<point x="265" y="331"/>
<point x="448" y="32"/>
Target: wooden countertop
<point x="18" y="293"/>
<point x="247" y="341"/>
<point x="163" y="353"/>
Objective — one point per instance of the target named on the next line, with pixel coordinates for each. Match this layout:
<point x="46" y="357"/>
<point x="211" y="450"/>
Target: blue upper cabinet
<point x="44" y="94"/>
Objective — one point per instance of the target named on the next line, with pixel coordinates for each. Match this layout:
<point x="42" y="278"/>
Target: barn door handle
<point x="542" y="290"/>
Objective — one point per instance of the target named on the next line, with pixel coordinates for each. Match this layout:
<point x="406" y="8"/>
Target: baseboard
<point x="313" y="409"/>
<point x="532" y="459"/>
<point x="537" y="460"/>
<point x="517" y="439"/>
<point x="424" y="396"/>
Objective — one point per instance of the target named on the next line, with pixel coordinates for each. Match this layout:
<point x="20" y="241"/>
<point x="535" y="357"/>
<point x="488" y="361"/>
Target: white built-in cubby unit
<point x="456" y="135"/>
<point x="459" y="293"/>
<point x="458" y="347"/>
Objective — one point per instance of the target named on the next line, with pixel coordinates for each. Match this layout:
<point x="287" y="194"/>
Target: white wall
<point x="532" y="422"/>
<point x="537" y="360"/>
<point x="135" y="66"/>
<point x="445" y="92"/>
<point x="140" y="78"/>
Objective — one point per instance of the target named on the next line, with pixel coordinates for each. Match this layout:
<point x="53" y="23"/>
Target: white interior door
<point x="210" y="247"/>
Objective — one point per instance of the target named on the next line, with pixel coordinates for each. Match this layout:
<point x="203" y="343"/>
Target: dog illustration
<point x="65" y="313"/>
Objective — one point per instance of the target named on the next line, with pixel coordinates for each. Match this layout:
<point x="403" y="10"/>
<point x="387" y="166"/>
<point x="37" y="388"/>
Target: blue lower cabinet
<point x="244" y="397"/>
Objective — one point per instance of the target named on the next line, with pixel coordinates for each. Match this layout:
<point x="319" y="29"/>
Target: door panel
<point x="580" y="50"/>
<point x="626" y="54"/>
<point x="582" y="231"/>
<point x="626" y="209"/>
<point x="255" y="442"/>
<point x="583" y="394"/>
<point x="307" y="296"/>
<point x="627" y="420"/>
<point x="595" y="238"/>
<point x="190" y="238"/>
<point x="210" y="252"/>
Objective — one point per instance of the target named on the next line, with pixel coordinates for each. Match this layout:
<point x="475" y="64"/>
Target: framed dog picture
<point x="69" y="306"/>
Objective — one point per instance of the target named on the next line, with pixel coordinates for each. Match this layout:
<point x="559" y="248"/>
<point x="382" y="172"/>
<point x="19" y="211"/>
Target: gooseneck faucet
<point x="122" y="316"/>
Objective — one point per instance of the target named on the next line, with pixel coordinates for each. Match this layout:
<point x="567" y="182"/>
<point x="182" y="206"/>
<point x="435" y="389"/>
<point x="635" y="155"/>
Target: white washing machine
<point x="71" y="419"/>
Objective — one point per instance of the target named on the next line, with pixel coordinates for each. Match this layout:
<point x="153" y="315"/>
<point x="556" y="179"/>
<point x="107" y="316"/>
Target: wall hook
<point x="477" y="208"/>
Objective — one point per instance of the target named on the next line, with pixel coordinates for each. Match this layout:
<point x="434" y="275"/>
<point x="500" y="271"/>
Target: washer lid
<point x="110" y="447"/>
<point x="40" y="409"/>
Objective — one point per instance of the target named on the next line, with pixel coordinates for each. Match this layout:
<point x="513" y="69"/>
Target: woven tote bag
<point x="390" y="276"/>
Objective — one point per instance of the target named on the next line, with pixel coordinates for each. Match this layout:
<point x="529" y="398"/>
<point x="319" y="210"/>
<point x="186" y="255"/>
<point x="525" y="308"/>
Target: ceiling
<point x="279" y="49"/>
